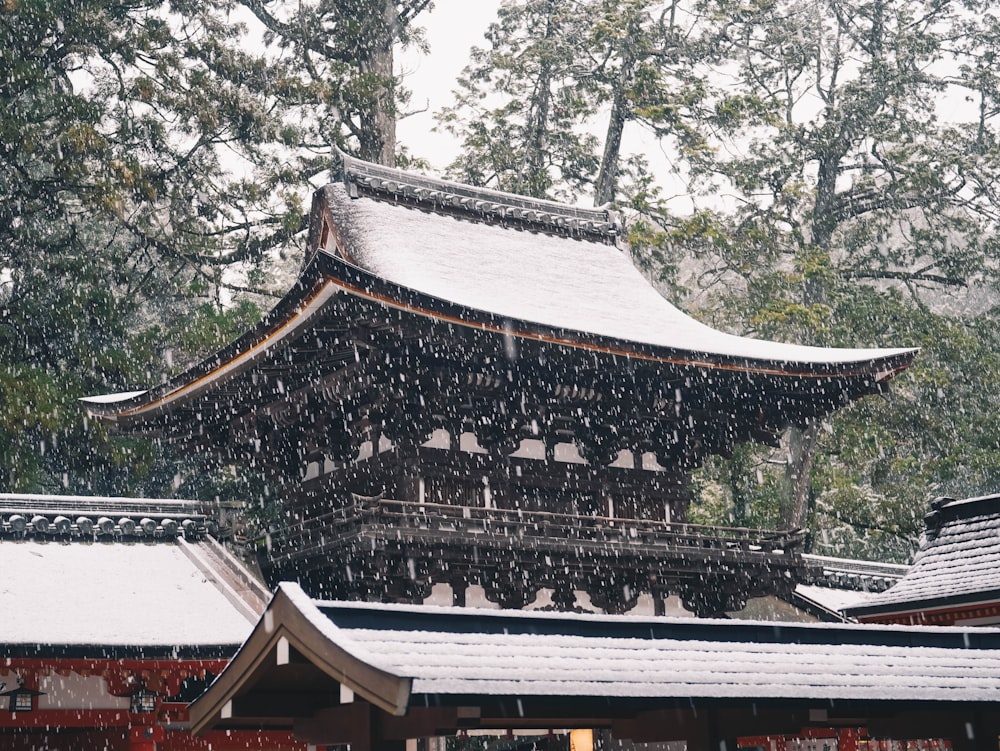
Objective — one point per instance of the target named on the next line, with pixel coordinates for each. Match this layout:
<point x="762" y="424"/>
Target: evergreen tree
<point x="645" y="59"/>
<point x="521" y="103"/>
<point x="151" y="163"/>
<point x="338" y="58"/>
<point x="862" y="216"/>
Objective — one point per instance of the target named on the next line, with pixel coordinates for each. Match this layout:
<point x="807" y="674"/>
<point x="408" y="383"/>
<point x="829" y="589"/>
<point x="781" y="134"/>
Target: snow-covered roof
<point x="830" y="599"/>
<point x="399" y="656"/>
<point x="496" y="262"/>
<point x="68" y="589"/>
<point x="841" y="583"/>
<point x="958" y="562"/>
<point x="560" y="281"/>
<point x="112" y="594"/>
<point x="602" y="655"/>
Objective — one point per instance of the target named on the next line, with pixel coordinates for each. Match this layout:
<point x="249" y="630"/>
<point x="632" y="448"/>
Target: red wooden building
<point x="114" y="614"/>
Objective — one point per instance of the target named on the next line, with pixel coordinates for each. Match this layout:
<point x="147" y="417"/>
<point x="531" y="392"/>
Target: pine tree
<point x="151" y="163"/>
<point x="339" y="58"/>
<point x="521" y="103"/>
<point x="862" y="216"/>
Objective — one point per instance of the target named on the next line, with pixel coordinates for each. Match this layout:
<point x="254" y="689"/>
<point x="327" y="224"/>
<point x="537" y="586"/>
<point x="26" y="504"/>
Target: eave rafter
<point x="404" y="364"/>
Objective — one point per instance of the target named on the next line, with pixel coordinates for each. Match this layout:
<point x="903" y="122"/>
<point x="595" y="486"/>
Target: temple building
<point x="479" y="393"/>
<point x="955" y="576"/>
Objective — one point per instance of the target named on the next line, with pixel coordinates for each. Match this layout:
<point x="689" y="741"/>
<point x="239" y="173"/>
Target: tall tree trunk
<point x="802" y="444"/>
<point x="607" y="177"/>
<point x="534" y="176"/>
<point x="378" y="144"/>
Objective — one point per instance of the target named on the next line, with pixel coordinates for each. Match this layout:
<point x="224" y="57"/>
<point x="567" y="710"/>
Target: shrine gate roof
<point x="521" y="268"/>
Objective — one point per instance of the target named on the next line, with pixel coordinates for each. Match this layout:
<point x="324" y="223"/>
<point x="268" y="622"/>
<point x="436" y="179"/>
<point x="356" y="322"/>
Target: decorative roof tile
<point x="364" y="178"/>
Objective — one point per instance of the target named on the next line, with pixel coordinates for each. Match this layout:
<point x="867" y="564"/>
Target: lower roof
<point x="66" y="594"/>
<point x="402" y="657"/>
<point x="958" y="562"/>
<point x="87" y="592"/>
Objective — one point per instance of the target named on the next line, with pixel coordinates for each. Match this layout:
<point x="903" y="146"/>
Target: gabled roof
<point x="77" y="591"/>
<point x="401" y="658"/>
<point x="517" y="268"/>
<point x="956" y="567"/>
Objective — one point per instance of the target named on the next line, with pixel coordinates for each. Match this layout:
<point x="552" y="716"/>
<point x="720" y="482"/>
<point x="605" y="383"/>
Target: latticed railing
<point x="442" y="523"/>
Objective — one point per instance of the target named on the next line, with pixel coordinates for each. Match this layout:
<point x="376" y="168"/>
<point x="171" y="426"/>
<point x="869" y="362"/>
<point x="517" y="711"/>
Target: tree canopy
<point x="154" y="163"/>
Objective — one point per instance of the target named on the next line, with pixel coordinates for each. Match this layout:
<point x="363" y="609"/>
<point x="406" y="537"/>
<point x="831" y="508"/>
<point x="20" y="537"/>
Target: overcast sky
<point x="453" y="27"/>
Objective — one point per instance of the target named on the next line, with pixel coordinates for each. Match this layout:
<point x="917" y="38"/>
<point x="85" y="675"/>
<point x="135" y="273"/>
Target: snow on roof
<point x="832" y="598"/>
<point x="111" y="398"/>
<point x="959" y="557"/>
<point x="462" y="651"/>
<point x="112" y="593"/>
<point x="557" y="281"/>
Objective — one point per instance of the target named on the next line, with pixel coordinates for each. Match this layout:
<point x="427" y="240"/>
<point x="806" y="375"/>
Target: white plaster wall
<point x="75" y="691"/>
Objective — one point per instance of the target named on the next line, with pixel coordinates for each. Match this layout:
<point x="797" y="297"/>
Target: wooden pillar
<point x="659" y="603"/>
<point x="564" y="598"/>
<point x="344" y="724"/>
<point x="459" y="587"/>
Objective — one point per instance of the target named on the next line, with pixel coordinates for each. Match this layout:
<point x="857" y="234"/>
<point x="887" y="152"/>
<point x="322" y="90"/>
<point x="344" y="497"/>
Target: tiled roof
<point x="73" y="516"/>
<point x="79" y="587"/>
<point x="570" y="281"/>
<point x="958" y="560"/>
<point x="421" y="654"/>
<point x="854" y="575"/>
<point x="459" y="653"/>
<point x="488" y="205"/>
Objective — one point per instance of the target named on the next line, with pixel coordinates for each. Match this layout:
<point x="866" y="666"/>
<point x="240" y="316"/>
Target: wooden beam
<point x="279" y="703"/>
<point x="424" y="722"/>
<point x="678" y="724"/>
<point x="346" y="723"/>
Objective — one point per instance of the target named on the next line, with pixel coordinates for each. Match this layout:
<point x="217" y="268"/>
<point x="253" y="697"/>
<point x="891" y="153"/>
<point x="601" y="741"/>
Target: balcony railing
<point x="409" y="521"/>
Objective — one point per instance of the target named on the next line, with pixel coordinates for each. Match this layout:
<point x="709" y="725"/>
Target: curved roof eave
<point x="402" y="658"/>
<point x="327" y="275"/>
<point x="293" y="618"/>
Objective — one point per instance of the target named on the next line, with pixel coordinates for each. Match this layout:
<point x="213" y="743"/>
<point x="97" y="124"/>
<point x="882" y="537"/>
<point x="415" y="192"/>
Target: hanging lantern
<point x="21" y="699"/>
<point x="142" y="700"/>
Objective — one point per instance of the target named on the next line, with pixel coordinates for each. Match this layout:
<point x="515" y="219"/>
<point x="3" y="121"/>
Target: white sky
<point x="453" y="27"/>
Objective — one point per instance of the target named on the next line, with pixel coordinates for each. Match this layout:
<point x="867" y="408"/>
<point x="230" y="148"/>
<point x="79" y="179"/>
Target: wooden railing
<point x="399" y="520"/>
